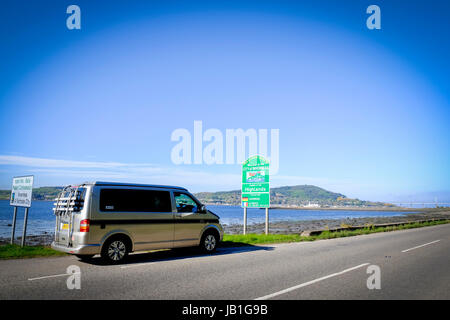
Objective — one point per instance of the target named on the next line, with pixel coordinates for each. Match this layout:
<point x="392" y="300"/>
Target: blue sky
<point x="362" y="112"/>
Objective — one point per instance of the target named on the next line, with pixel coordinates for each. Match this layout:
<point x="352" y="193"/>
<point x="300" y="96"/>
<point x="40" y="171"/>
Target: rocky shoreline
<point x="282" y="227"/>
<point x="31" y="240"/>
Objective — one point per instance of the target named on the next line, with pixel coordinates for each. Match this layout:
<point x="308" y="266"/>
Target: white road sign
<point x="22" y="188"/>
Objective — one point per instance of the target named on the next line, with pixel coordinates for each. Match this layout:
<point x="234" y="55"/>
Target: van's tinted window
<point x="133" y="200"/>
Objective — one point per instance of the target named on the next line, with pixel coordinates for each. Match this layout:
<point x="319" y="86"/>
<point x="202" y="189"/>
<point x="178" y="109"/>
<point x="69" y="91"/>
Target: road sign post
<point x="267" y="221"/>
<point x="245" y="220"/>
<point x="21" y="193"/>
<point x="25" y="221"/>
<point x="13" y="225"/>
<point x="255" y="187"/>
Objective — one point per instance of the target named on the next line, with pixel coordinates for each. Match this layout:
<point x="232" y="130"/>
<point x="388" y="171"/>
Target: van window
<point x="185" y="203"/>
<point x="132" y="200"/>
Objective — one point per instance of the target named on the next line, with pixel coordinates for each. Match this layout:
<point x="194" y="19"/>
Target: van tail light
<point x="84" y="225"/>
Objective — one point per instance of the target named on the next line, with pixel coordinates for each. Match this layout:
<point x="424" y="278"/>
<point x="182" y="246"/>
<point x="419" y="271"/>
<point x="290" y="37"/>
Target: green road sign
<point x="255" y="183"/>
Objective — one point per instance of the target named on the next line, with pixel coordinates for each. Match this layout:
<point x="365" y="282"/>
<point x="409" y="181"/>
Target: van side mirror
<point x="202" y="209"/>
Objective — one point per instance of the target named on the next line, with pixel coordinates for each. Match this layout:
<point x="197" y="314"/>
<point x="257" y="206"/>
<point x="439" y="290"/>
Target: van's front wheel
<point x="209" y="242"/>
<point x="115" y="250"/>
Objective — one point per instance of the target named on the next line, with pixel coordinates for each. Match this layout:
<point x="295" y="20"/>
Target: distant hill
<point x="301" y="195"/>
<point x="42" y="193"/>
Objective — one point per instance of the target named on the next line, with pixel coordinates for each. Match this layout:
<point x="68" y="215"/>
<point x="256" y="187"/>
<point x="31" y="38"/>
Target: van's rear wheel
<point x="115" y="250"/>
<point x="209" y="242"/>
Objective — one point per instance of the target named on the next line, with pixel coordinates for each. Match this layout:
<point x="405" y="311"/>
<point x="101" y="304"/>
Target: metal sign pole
<point x="245" y="220"/>
<point x="25" y="220"/>
<point x="14" y="225"/>
<point x="267" y="220"/>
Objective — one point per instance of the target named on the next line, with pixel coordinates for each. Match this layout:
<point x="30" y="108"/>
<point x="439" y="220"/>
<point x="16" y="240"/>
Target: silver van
<point x="114" y="219"/>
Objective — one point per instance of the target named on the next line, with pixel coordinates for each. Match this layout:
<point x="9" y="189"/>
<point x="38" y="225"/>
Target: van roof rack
<point x="121" y="184"/>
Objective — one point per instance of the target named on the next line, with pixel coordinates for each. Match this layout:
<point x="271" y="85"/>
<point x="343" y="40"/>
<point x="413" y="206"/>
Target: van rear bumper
<point x="82" y="249"/>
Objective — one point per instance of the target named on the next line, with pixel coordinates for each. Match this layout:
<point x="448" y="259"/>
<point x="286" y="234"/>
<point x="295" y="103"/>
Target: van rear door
<point x="69" y="202"/>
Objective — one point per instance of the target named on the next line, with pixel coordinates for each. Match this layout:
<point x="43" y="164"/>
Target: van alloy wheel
<point x="210" y="242"/>
<point x="117" y="250"/>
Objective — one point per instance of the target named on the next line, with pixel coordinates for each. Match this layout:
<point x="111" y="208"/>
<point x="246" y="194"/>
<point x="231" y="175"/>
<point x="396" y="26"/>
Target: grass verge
<point x="14" y="251"/>
<point x="230" y="240"/>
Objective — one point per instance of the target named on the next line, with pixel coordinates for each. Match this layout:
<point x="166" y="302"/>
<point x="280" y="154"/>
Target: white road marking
<point x="53" y="276"/>
<point x="422" y="245"/>
<point x="310" y="282"/>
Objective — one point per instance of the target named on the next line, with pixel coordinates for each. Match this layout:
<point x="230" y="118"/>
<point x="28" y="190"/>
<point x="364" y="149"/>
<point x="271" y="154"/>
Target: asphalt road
<point x="414" y="264"/>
